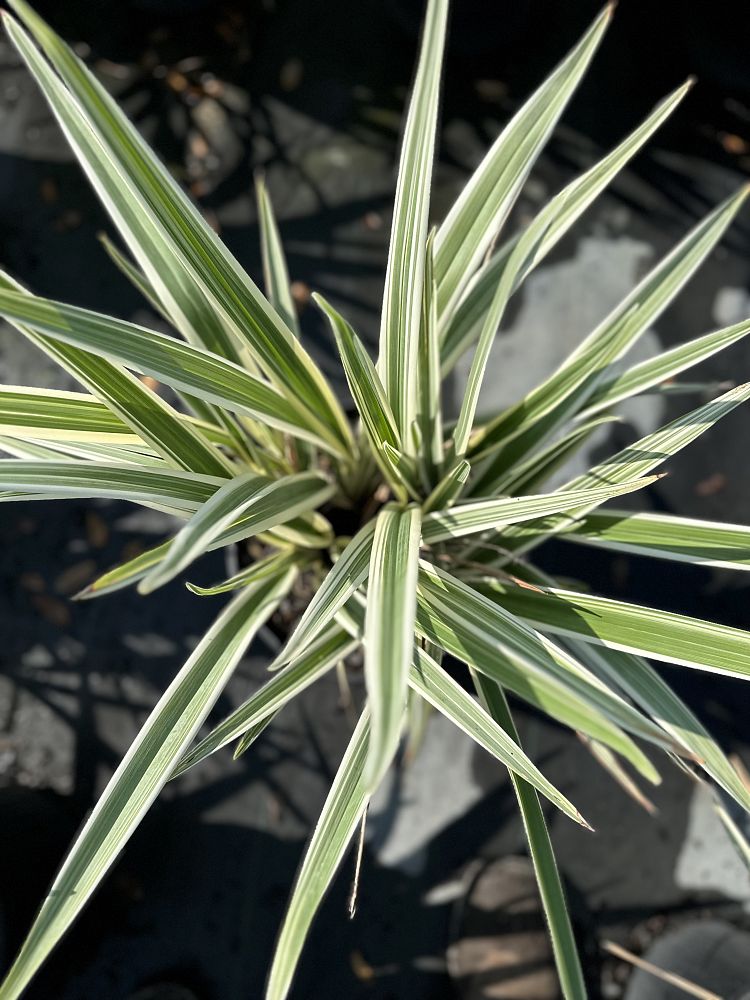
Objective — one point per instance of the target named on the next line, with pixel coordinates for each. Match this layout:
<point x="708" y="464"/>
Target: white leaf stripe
<point x="182" y="366"/>
<point x="364" y="383"/>
<point x="150" y="417"/>
<point x="260" y="504"/>
<point x="180" y="296"/>
<point x="338" y="820"/>
<point x="478" y="213"/>
<point x="256" y="571"/>
<point x="447" y="696"/>
<point x="464" y="623"/>
<point x="552" y="657"/>
<point x="55" y="414"/>
<point x="52" y="414"/>
<point x="389" y="630"/>
<point x="143" y="772"/>
<point x="429" y="402"/>
<point x="275" y="272"/>
<point x="185" y="491"/>
<point x="666" y="365"/>
<point x="208" y="262"/>
<point x="525" y="476"/>
<point x="569" y="388"/>
<point x="554" y="219"/>
<point x="683" y="539"/>
<point x="309" y="531"/>
<point x="484" y="515"/>
<point x="402" y="296"/>
<point x="638" y="679"/>
<point x="638" y="459"/>
<point x="328" y="649"/>
<point x="633" y="628"/>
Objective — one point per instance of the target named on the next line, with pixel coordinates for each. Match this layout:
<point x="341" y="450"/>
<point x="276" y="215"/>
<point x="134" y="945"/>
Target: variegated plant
<point x="450" y="514"/>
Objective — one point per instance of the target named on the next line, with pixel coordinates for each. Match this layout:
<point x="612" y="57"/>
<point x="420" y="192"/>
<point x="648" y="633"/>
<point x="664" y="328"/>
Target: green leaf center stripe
<point x="542" y="856"/>
<point x="182" y="366"/>
<point x="447" y="696"/>
<point x="483" y="515"/>
<point x="461" y="328"/>
<point x="402" y="297"/>
<point x="548" y="677"/>
<point x="183" y="490"/>
<point x="662" y="536"/>
<point x="481" y="208"/>
<point x="389" y="630"/>
<point x="339" y="817"/>
<point x="208" y="261"/>
<point x="260" y="504"/>
<point x="674" y="638"/>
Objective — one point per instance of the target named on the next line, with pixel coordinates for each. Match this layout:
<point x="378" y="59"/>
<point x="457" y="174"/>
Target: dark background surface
<point x="313" y="94"/>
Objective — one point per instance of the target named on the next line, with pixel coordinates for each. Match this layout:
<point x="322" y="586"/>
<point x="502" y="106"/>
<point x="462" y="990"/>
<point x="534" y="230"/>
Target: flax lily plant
<point x="449" y="515"/>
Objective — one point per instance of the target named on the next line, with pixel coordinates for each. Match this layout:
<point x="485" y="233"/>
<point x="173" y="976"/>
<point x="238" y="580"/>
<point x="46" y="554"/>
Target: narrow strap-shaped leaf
<point x="275" y="271"/>
<point x="184" y="491"/>
<point x="182" y="366"/>
<point x="402" y="296"/>
<point x="462" y="621"/>
<point x="118" y="159"/>
<point x="537" y="469"/>
<point x="554" y="220"/>
<point x="224" y="422"/>
<point x="311" y="531"/>
<point x="648" y="453"/>
<point x="151" y="418"/>
<point x="57" y="415"/>
<point x="542" y="856"/>
<point x="347" y="574"/>
<point x="136" y="278"/>
<point x="54" y="450"/>
<point x="389" y="630"/>
<point x="250" y="574"/>
<point x="144" y="771"/>
<point x="364" y="382"/>
<point x="665" y="635"/>
<point x="666" y="365"/>
<point x="641" y="682"/>
<point x="738" y="838"/>
<point x="484" y="204"/>
<point x="338" y="820"/>
<point x="261" y="504"/>
<point x="569" y="388"/>
<point x="333" y="645"/>
<point x="429" y="403"/>
<point x="448" y="489"/>
<point x="180" y="297"/>
<point x="638" y="459"/>
<point x="683" y="539"/>
<point x="447" y="696"/>
<point x="485" y="515"/>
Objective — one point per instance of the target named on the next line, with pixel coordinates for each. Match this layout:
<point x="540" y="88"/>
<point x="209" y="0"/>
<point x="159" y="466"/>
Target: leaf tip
<point x="584" y="823"/>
